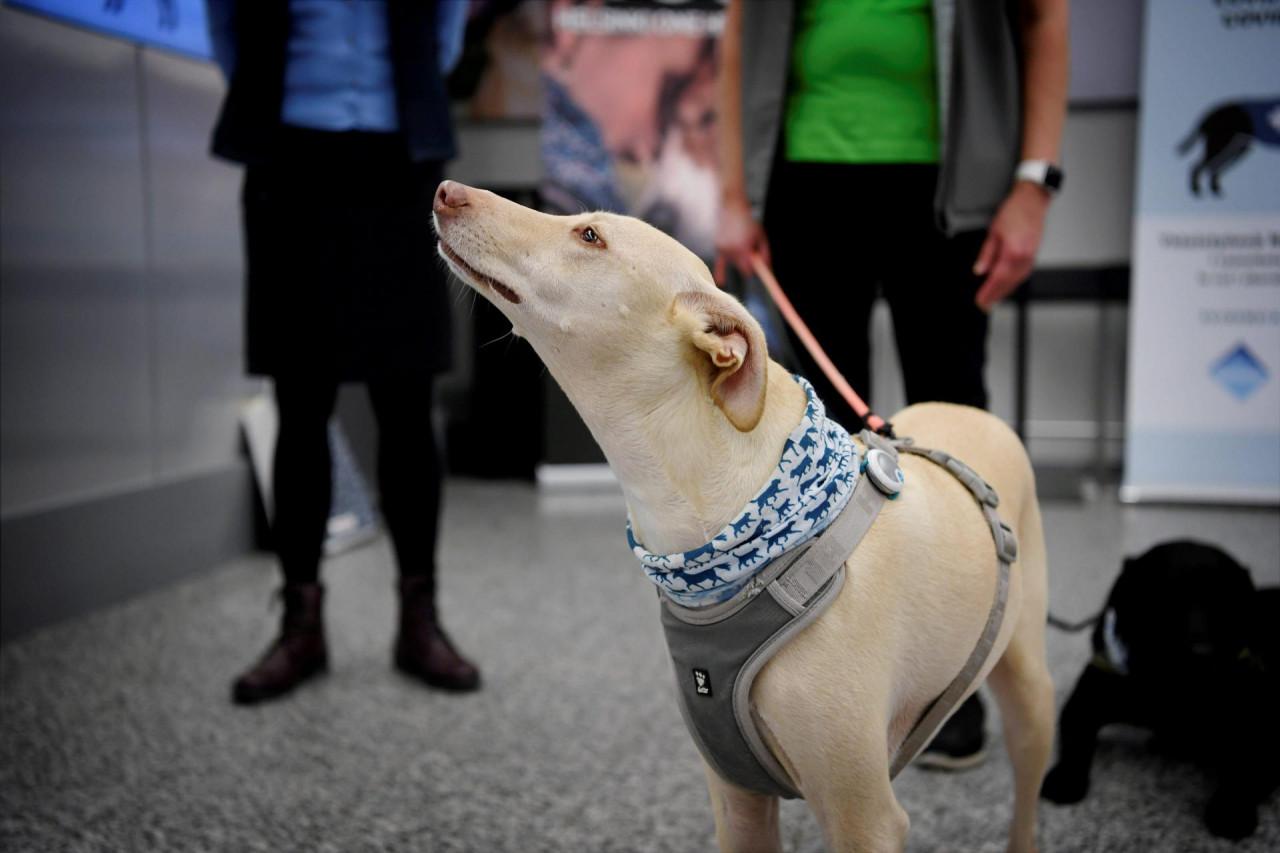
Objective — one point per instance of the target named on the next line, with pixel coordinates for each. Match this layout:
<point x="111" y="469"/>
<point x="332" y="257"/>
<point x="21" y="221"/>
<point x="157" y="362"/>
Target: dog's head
<point x="608" y="302"/>
<point x="1179" y="611"/>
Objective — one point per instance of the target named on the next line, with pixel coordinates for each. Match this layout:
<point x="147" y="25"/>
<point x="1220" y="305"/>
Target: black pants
<point x="409" y="471"/>
<point x="842" y="234"/>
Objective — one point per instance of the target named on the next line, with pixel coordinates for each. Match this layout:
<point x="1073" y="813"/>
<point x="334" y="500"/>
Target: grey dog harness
<point x="719" y="650"/>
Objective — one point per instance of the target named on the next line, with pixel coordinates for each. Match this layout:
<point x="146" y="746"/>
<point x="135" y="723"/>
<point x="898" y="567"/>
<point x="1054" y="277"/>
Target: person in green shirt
<point x="911" y="153"/>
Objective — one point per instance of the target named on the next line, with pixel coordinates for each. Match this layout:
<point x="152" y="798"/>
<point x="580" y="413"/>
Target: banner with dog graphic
<point x="1204" y="360"/>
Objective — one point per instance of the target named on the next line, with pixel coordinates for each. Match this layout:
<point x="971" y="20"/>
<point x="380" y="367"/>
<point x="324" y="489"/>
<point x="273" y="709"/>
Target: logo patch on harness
<point x="701" y="682"/>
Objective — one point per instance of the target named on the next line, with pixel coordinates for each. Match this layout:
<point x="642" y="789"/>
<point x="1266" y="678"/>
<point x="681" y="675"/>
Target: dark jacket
<point x="247" y="130"/>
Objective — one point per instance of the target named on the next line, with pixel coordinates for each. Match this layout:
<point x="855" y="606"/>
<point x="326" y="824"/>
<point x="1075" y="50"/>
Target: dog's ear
<point x="734" y="347"/>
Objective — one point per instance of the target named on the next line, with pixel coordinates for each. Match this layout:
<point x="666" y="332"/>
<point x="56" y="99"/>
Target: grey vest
<point x="979" y="101"/>
<point x="719" y="650"/>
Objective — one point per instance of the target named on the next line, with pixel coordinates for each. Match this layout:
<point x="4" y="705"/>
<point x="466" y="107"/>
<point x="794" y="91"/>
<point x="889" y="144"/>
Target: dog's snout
<point x="450" y="196"/>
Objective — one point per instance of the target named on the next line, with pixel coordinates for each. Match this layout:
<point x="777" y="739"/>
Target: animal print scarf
<point x="811" y="484"/>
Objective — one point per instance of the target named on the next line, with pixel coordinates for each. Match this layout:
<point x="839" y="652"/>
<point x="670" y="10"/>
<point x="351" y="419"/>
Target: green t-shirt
<point x="863" y="87"/>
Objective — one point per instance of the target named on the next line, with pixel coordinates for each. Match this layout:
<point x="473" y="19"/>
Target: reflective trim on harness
<point x="718" y="651"/>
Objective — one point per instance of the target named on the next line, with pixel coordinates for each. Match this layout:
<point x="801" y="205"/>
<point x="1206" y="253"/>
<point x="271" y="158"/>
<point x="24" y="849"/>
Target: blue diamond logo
<point x="1240" y="372"/>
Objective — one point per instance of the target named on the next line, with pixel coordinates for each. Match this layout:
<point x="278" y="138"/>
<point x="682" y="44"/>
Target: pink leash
<point x="871" y="419"/>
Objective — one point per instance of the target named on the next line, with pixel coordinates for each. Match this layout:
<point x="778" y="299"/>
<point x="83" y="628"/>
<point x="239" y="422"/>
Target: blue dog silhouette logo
<point x="1228" y="131"/>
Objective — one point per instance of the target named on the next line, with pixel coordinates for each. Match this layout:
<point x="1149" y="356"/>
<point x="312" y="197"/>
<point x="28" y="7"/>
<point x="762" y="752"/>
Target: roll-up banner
<point x="1203" y="421"/>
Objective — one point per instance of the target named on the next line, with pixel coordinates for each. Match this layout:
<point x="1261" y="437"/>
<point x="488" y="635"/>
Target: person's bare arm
<point x="738" y="235"/>
<point x="1010" y="249"/>
<point x="1045" y="69"/>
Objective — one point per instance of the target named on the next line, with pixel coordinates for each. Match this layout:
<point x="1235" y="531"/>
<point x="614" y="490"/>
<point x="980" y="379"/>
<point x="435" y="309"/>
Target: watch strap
<point x="1040" y="172"/>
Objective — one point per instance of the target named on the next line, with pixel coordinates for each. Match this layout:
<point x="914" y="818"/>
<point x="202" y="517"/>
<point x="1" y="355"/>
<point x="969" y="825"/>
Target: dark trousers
<point x="842" y="234"/>
<point x="409" y="471"/>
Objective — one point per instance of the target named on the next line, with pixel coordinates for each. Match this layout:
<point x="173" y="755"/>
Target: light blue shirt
<point x="338" y="73"/>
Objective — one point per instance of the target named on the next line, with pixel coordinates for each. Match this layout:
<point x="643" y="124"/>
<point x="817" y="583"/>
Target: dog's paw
<point x="1064" y="787"/>
<point x="1227" y="817"/>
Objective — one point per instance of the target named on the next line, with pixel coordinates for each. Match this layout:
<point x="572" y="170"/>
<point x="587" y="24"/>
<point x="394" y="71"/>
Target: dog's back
<point x="920" y="585"/>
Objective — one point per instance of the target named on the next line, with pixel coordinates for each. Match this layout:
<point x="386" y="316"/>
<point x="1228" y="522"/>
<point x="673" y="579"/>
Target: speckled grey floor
<point x="118" y="735"/>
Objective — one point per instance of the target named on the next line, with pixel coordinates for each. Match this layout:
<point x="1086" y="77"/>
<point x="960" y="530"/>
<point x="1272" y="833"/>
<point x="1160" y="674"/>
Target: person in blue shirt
<point x="338" y="111"/>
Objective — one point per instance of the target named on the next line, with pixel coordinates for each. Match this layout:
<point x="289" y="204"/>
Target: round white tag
<point x="884" y="472"/>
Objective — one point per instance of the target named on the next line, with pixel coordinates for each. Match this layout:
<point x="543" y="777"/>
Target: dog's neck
<point x="685" y="470"/>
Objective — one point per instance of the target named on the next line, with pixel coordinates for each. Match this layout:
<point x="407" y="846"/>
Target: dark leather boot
<point x="422" y="648"/>
<point x="299" y="653"/>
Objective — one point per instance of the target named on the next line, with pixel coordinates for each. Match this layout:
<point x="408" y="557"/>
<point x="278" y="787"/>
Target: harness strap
<point x="718" y="651"/>
<point x="810" y="573"/>
<point x="820" y="569"/>
<point x="1006" y="552"/>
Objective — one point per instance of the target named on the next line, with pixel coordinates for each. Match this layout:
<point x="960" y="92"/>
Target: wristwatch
<point x="1040" y="172"/>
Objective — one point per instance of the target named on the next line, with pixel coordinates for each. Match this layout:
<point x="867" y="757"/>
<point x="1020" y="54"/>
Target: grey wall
<point x="121" y="269"/>
<point x="1105" y="39"/>
<point x="120" y="309"/>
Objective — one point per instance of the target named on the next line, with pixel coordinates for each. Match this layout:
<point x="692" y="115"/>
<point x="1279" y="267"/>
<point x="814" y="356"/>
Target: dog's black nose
<point x="450" y="196"/>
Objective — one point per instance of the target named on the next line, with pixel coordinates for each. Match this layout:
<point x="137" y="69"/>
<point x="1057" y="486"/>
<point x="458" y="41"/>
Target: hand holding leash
<point x="738" y="237"/>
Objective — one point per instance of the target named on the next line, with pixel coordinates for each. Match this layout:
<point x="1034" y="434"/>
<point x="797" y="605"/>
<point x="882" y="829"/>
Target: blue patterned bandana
<point x="811" y="484"/>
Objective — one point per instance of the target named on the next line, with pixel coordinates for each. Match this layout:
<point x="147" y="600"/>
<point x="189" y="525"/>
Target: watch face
<point x="1053" y="178"/>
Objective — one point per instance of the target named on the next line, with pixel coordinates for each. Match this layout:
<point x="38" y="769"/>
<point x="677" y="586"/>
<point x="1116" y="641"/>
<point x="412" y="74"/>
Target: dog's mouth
<point x="475" y="275"/>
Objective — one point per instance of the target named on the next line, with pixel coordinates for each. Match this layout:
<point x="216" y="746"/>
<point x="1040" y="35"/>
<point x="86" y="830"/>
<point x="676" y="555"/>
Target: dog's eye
<point x="590" y="236"/>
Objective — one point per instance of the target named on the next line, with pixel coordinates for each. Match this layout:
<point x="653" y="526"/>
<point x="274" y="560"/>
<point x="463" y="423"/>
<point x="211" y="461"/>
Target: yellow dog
<point x="673" y="379"/>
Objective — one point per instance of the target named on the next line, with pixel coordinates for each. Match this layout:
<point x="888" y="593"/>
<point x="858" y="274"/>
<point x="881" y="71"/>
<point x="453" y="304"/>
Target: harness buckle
<point x="1006" y="541"/>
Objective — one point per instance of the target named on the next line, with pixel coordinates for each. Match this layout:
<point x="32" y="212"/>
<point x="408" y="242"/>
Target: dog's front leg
<point x="1097" y="699"/>
<point x="857" y="809"/>
<point x="1241" y="724"/>
<point x="746" y="822"/>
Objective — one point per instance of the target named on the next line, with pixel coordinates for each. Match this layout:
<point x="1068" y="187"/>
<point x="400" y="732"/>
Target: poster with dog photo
<point x="630" y="113"/>
<point x="1204" y="361"/>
